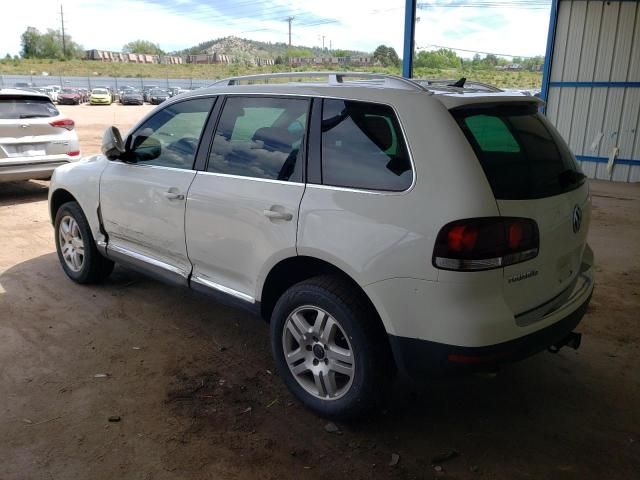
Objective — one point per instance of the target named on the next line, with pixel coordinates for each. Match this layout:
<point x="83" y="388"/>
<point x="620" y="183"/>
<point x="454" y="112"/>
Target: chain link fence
<point x="10" y="81"/>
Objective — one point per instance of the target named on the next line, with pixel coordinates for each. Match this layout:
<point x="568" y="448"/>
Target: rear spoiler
<point x="452" y="101"/>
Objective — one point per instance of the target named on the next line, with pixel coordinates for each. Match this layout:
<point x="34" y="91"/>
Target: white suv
<point x="375" y="223"/>
<point x="35" y="137"/>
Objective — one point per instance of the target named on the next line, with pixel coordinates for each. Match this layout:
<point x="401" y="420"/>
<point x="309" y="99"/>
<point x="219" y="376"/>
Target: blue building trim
<point x="551" y="40"/>
<point x="409" y="37"/>
<point x="619" y="161"/>
<point x="596" y="84"/>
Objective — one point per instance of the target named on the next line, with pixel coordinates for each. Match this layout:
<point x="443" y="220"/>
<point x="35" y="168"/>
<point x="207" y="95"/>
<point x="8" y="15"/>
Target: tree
<point x="143" y="46"/>
<point x="48" y="45"/>
<point x="490" y="60"/>
<point x="387" y="56"/>
<point x="339" y="53"/>
<point x="438" y="59"/>
<point x="30" y="43"/>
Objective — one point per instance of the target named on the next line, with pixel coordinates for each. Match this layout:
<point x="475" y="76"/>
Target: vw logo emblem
<point x="576" y="219"/>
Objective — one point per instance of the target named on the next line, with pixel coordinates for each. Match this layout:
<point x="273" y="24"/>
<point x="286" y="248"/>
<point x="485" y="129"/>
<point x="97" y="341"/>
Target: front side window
<point x="363" y="147"/>
<point x="260" y="137"/>
<point x="170" y="138"/>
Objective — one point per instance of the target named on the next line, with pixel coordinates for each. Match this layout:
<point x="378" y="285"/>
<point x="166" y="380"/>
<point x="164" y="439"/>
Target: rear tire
<point x="76" y="248"/>
<point x="330" y="348"/>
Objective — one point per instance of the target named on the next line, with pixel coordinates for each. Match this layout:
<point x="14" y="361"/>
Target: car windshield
<point x="26" y="107"/>
<point x="158" y="92"/>
<point x="69" y="90"/>
<point x="521" y="153"/>
<point x="100" y="91"/>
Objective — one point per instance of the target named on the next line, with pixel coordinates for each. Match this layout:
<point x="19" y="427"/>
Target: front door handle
<point x="173" y="195"/>
<point x="276" y="215"/>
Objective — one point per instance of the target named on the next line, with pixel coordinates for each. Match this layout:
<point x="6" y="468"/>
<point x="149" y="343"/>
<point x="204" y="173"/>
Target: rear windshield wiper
<point x="33" y="115"/>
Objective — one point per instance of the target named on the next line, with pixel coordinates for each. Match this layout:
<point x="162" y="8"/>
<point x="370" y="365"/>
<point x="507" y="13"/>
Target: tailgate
<point x="563" y="222"/>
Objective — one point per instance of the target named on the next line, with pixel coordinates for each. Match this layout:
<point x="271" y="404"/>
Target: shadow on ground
<point x="197" y="396"/>
<point x="16" y="193"/>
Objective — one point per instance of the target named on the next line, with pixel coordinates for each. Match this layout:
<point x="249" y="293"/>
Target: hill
<point x="242" y="48"/>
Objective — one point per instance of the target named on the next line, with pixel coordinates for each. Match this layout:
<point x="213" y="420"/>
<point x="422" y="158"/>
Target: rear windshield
<point x="26" y="107"/>
<point x="521" y="153"/>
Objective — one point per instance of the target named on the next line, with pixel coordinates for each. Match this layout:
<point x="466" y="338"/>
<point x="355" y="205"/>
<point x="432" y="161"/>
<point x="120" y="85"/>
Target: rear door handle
<point x="276" y="215"/>
<point x="173" y="195"/>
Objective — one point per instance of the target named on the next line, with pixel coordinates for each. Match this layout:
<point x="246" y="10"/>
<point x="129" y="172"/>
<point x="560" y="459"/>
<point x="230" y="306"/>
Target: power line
<point x="473" y="51"/>
<point x="523" y="4"/>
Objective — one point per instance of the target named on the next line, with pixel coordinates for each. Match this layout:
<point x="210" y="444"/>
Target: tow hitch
<point x="572" y="340"/>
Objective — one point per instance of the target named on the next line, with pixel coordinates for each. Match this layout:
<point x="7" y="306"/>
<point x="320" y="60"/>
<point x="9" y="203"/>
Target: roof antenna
<point x="460" y="83"/>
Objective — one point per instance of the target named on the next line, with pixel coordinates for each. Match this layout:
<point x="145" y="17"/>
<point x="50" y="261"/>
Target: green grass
<point x="82" y="68"/>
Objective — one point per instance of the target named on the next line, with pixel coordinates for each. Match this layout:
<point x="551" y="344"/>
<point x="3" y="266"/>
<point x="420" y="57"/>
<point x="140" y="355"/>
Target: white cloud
<point x="363" y="25"/>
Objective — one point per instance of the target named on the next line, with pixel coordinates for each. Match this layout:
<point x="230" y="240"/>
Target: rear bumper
<point x="32" y="171"/>
<point x="423" y="358"/>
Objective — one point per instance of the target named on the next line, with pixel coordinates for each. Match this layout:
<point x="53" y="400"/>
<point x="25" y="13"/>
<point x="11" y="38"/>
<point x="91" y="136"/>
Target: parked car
<point x="24" y="85"/>
<point x="157" y="96"/>
<point x="173" y="91"/>
<point x="132" y="97"/>
<point x="100" y="96"/>
<point x="56" y="89"/>
<point x="112" y="92"/>
<point x="124" y="89"/>
<point x="69" y="96"/>
<point x="49" y="92"/>
<point x="145" y="92"/>
<point x="374" y="223"/>
<point x="34" y="136"/>
<point x="85" y="94"/>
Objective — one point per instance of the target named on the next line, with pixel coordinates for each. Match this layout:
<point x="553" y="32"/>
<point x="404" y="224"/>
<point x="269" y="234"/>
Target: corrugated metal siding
<point x="598" y="41"/>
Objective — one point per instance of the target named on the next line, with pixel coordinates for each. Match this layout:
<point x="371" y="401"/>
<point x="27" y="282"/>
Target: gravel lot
<point x="192" y="385"/>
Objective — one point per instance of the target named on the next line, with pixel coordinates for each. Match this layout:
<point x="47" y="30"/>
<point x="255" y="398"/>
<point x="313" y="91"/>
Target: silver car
<point x="35" y="137"/>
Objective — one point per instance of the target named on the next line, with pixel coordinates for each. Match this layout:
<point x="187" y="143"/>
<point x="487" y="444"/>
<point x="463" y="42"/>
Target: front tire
<point x="76" y="248"/>
<point x="330" y="348"/>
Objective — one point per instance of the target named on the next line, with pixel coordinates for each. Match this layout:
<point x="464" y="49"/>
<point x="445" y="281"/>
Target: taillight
<point x="66" y="123"/>
<point x="485" y="243"/>
<point x="74" y="153"/>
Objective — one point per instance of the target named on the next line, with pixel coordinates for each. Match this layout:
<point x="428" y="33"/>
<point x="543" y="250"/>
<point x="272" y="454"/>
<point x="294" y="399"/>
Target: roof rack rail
<point x="333" y="78"/>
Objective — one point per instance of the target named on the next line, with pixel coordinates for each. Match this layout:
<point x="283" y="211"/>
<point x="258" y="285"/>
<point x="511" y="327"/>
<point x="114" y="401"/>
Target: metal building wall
<point x="592" y="83"/>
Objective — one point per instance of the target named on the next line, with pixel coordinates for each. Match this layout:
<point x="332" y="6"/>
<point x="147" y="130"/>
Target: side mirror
<point x="112" y="144"/>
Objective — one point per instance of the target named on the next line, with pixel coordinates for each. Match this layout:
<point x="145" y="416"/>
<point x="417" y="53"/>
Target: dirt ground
<point x="192" y="381"/>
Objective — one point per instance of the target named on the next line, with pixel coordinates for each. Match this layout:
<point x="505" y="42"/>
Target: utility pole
<point x="290" y="19"/>
<point x="64" y="40"/>
<point x="323" y="42"/>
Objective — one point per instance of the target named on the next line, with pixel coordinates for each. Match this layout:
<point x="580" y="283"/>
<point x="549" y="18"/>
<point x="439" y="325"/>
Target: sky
<point x="509" y="28"/>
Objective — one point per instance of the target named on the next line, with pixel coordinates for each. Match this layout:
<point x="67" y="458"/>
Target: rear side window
<point x="26" y="107"/>
<point x="261" y="137"/>
<point x="363" y="147"/>
<point x="521" y="153"/>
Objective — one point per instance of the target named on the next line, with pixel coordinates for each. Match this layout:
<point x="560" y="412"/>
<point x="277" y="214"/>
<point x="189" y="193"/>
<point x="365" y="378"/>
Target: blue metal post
<point x="551" y="40"/>
<point x="409" y="37"/>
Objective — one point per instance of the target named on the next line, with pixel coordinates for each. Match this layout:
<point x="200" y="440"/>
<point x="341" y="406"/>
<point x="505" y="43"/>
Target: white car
<point x="375" y="223"/>
<point x="35" y="137"/>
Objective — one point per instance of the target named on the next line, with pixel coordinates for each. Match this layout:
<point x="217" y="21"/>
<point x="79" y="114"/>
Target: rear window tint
<point x="26" y="107"/>
<point x="521" y="153"/>
<point x="492" y="134"/>
<point x="363" y="147"/>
